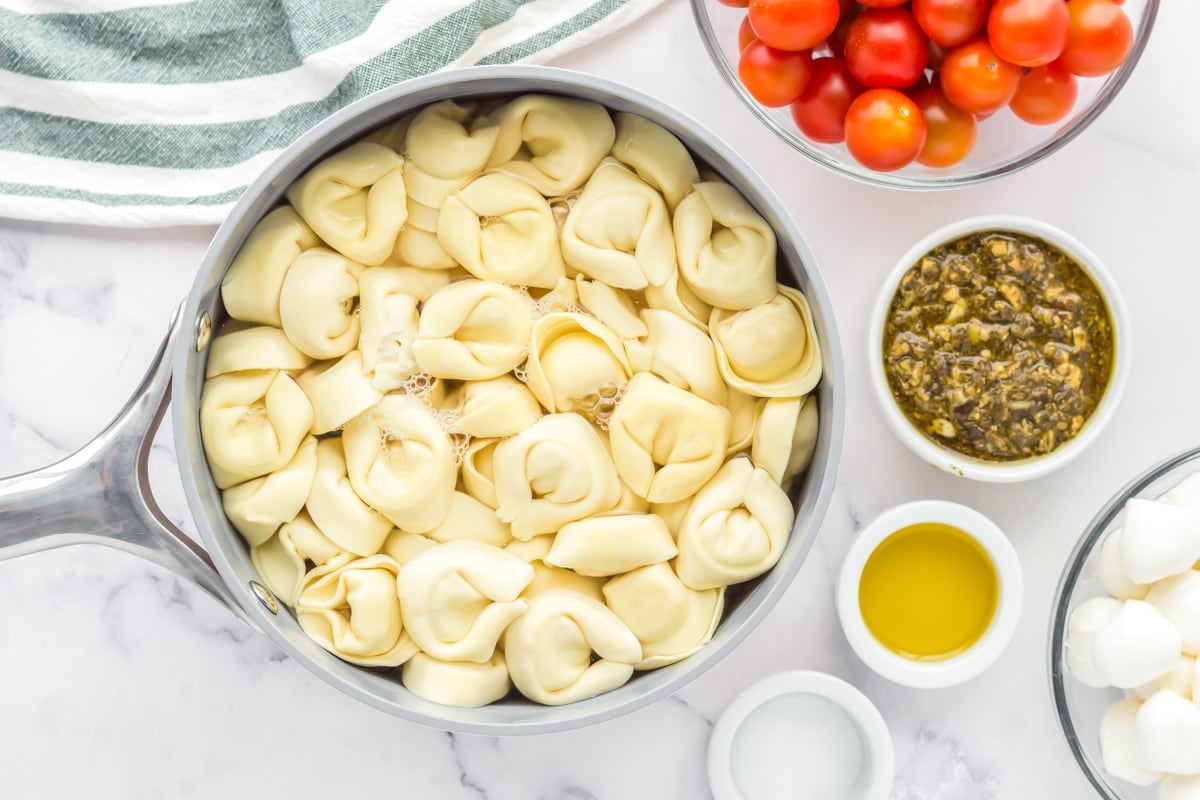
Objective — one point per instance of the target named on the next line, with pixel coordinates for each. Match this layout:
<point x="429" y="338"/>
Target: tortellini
<point x="457" y="683"/>
<point x="656" y="156"/>
<point x="553" y="143"/>
<point x="262" y="347"/>
<point x="574" y="360"/>
<point x="726" y="250"/>
<point x="735" y="529"/>
<point x="457" y="598"/>
<point x="317" y="303"/>
<point x="353" y="612"/>
<point x="669" y="619"/>
<point x="355" y="200"/>
<point x="501" y="229"/>
<point x="785" y="436"/>
<point x="399" y="460"/>
<point x="554" y="472"/>
<point x="252" y="423"/>
<point x="666" y="442"/>
<point x="258" y="507"/>
<point x="611" y="544"/>
<point x="492" y="408"/>
<point x="251" y="287"/>
<point x="473" y="330"/>
<point x="282" y="560"/>
<point x="549" y="648"/>
<point x="619" y="231"/>
<point x="508" y="397"/>
<point x="771" y="349"/>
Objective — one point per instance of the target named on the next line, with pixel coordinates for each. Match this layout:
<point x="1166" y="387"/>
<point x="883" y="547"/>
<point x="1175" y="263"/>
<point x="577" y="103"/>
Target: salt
<point x="799" y="747"/>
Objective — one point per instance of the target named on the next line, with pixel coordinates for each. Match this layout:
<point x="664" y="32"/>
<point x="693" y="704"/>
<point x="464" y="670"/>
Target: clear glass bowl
<point x="1006" y="144"/>
<point x="1081" y="707"/>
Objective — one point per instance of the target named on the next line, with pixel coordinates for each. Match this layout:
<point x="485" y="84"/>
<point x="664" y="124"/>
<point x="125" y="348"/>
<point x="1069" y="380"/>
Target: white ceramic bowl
<point x="963" y="465"/>
<point x="978" y="657"/>
<point x="875" y="781"/>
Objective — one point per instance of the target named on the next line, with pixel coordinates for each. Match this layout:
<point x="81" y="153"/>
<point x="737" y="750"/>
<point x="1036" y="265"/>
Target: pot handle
<point x="101" y="493"/>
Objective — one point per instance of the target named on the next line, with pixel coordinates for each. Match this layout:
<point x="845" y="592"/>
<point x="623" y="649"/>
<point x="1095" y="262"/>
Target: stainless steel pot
<point x="101" y="494"/>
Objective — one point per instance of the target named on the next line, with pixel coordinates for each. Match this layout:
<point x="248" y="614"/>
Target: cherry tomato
<point x="745" y="35"/>
<point x="976" y="79"/>
<point x="886" y="48"/>
<point x="951" y="131"/>
<point x="820" y="112"/>
<point x="882" y="3"/>
<point x="937" y="54"/>
<point x="774" y="77"/>
<point x="884" y="129"/>
<point x="1028" y="33"/>
<point x="793" y="24"/>
<point x="950" y="22"/>
<point x="734" y="3"/>
<point x="1100" y="39"/>
<point x="1045" y="94"/>
<point x="837" y="40"/>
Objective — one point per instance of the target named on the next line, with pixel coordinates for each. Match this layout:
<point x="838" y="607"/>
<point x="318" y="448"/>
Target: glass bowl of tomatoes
<point x="926" y="94"/>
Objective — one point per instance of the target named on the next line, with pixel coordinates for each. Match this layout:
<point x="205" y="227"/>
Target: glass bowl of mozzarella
<point x="523" y="401"/>
<point x="1126" y="635"/>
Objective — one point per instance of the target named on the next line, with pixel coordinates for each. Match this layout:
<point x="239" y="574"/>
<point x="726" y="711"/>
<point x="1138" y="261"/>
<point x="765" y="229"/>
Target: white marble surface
<point x="121" y="681"/>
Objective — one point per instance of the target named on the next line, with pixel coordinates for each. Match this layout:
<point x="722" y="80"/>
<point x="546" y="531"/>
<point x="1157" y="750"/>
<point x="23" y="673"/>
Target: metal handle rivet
<point x="264" y="596"/>
<point x="203" y="331"/>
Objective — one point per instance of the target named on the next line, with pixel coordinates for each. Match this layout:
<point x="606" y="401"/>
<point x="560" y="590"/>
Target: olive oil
<point x="928" y="592"/>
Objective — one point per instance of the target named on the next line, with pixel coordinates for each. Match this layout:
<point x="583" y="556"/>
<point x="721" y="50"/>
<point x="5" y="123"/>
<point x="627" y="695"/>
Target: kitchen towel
<point x="141" y="113"/>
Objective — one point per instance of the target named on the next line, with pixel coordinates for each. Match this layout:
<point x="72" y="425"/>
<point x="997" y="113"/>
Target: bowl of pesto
<point x="1000" y="348"/>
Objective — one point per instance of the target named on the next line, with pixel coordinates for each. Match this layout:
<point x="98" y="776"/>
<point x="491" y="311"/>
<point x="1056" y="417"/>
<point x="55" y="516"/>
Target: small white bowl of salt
<point x="801" y="736"/>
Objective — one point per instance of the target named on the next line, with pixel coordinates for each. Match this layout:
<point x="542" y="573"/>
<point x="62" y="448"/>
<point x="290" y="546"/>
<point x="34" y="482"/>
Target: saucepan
<point x="101" y="494"/>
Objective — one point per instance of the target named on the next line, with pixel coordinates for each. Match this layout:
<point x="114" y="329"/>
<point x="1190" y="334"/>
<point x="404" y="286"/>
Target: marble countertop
<point x="122" y="681"/>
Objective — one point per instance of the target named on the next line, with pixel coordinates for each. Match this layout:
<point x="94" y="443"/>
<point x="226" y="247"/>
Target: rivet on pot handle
<point x="101" y="494"/>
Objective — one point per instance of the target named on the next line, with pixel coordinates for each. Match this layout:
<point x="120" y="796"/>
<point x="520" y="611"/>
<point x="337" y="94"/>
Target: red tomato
<point x="837" y="40"/>
<point x="885" y="48"/>
<point x="1028" y="33"/>
<point x="774" y="77"/>
<point x="1045" y="94"/>
<point x="793" y="24"/>
<point x="951" y="131"/>
<point x="884" y="129"/>
<point x="1100" y="39"/>
<point x="937" y="54"/>
<point x="950" y="22"/>
<point x="820" y="112"/>
<point x="734" y="3"/>
<point x="882" y="3"/>
<point x="745" y="35"/>
<point x="976" y="79"/>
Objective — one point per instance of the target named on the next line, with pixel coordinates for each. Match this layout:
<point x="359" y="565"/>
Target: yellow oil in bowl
<point x="928" y="592"/>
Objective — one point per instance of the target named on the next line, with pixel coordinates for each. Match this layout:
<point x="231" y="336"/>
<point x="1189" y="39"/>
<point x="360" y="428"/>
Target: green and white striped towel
<point x="141" y="113"/>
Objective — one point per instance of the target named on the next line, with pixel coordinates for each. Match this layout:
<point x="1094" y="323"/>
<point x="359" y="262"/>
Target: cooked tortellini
<point x="501" y="229"/>
<point x="252" y="423"/>
<point x="507" y="398"/>
<point x="619" y="231"/>
<point x="355" y="201"/>
<point x="400" y="461"/>
<point x="353" y="612"/>
<point x="735" y="529"/>
<point x="666" y="441"/>
<point x="574" y="361"/>
<point x="549" y="648"/>
<point x="769" y="350"/>
<point x="473" y="330"/>
<point x="726" y="250"/>
<point x="554" y="472"/>
<point x="553" y="143"/>
<point x="252" y="285"/>
<point x="457" y="598"/>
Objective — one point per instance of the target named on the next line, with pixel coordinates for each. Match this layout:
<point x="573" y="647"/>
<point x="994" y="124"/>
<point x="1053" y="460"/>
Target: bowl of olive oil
<point x="930" y="594"/>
